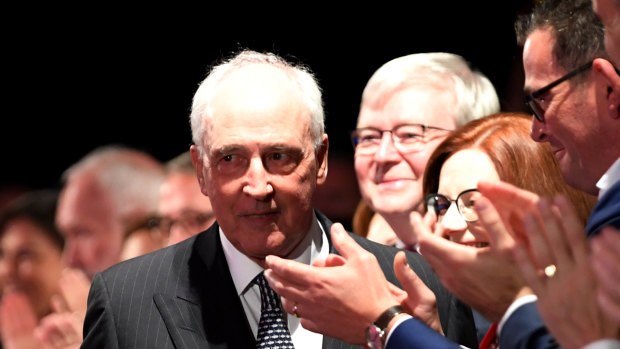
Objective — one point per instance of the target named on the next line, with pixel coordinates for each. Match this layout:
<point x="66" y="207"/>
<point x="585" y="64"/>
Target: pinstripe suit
<point x="183" y="297"/>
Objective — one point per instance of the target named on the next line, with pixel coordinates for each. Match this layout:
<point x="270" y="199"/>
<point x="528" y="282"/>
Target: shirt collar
<point x="609" y="178"/>
<point x="243" y="270"/>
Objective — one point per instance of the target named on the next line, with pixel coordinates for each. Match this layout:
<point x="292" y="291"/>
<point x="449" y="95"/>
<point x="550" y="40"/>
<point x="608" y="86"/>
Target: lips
<point x="395" y="183"/>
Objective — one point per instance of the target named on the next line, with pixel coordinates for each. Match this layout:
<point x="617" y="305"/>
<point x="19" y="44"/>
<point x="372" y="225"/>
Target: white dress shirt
<point x="243" y="270"/>
<point x="609" y="178"/>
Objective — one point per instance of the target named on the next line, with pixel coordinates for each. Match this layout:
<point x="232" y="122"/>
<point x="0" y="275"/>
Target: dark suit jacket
<point x="606" y="212"/>
<point x="525" y="328"/>
<point x="183" y="296"/>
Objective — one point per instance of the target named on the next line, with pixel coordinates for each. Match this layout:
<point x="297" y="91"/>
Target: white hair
<point x="475" y="95"/>
<point x="129" y="177"/>
<point x="308" y="86"/>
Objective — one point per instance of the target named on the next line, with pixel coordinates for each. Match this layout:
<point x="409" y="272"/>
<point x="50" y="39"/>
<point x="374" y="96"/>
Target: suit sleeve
<point x="413" y="333"/>
<point x="525" y="329"/>
<point x="99" y="329"/>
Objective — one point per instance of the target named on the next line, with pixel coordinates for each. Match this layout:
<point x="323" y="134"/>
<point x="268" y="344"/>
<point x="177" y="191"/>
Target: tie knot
<point x="269" y="298"/>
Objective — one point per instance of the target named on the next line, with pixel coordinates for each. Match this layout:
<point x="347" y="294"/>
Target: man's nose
<point x="257" y="181"/>
<point x="387" y="150"/>
<point x="538" y="130"/>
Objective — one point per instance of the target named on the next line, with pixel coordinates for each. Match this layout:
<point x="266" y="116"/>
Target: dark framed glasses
<point x="532" y="99"/>
<point x="439" y="204"/>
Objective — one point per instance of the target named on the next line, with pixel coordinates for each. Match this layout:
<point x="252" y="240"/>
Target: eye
<point x="368" y="136"/>
<point x="229" y="163"/>
<point x="412" y="133"/>
<point x="278" y="156"/>
<point x="282" y="161"/>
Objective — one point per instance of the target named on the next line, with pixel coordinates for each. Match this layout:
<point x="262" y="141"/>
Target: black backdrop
<point x="77" y="78"/>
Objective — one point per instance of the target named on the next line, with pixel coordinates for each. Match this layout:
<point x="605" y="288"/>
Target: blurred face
<point x="462" y="171"/>
<point x="185" y="211"/>
<point x="140" y="242"/>
<point x="259" y="168"/>
<point x="93" y="232"/>
<point x="30" y="262"/>
<point x="571" y="115"/>
<point x="391" y="182"/>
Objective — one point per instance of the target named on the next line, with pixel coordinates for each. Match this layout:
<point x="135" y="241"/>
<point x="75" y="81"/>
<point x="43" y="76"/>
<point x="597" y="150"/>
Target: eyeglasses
<point x="407" y="138"/>
<point x="192" y="221"/>
<point x="531" y="99"/>
<point x="439" y="204"/>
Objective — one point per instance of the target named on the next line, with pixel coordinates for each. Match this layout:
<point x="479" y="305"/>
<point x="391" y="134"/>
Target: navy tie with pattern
<point x="273" y="331"/>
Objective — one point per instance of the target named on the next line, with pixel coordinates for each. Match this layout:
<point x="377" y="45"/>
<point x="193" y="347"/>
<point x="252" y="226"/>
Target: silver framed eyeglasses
<point x="407" y="138"/>
<point x="439" y="204"/>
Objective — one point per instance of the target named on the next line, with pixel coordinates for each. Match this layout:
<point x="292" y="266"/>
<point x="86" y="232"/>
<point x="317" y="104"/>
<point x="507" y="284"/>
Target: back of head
<point x="518" y="160"/>
<point x="129" y="177"/>
<point x="579" y="33"/>
<point x="301" y="76"/>
<point x="475" y="95"/>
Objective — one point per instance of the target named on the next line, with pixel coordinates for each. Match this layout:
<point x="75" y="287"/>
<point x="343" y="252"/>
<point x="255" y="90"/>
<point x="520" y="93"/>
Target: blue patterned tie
<point x="272" y="329"/>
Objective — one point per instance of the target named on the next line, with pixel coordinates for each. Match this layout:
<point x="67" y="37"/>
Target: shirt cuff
<point x="603" y="344"/>
<point x="513" y="307"/>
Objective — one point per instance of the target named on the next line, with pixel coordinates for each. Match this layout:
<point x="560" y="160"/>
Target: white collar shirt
<point x="243" y="270"/>
<point x="609" y="178"/>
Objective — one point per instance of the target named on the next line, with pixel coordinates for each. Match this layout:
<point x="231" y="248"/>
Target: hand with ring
<point x="555" y="261"/>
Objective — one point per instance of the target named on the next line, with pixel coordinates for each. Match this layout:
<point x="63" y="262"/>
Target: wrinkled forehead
<point x="257" y="102"/>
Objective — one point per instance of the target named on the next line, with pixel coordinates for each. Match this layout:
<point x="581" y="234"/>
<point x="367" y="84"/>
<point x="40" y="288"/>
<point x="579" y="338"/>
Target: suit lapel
<point x="204" y="311"/>
<point x="606" y="211"/>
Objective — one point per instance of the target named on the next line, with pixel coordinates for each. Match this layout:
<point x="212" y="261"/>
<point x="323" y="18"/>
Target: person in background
<point x="184" y="211"/>
<point x="409" y="105"/>
<point x="104" y="193"/>
<point x="573" y="90"/>
<point x="260" y="151"/>
<point x="143" y="237"/>
<point x="492" y="148"/>
<point x="30" y="266"/>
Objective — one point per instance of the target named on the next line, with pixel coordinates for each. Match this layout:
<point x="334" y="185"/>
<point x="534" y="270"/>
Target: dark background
<point x="77" y="78"/>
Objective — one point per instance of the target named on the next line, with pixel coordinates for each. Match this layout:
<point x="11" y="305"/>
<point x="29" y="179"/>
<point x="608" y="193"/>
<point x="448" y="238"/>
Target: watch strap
<point x="384" y="319"/>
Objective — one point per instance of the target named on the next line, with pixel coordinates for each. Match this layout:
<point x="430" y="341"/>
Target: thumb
<point x="409" y="280"/>
<point x="499" y="235"/>
<point x="344" y="244"/>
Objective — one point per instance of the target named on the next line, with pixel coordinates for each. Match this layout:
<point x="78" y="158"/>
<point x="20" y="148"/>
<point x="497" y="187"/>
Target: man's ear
<point x="198" y="166"/>
<point x="609" y="80"/>
<point x="321" y="159"/>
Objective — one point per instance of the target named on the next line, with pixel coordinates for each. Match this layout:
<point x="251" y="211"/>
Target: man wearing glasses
<point x="573" y="90"/>
<point x="409" y="106"/>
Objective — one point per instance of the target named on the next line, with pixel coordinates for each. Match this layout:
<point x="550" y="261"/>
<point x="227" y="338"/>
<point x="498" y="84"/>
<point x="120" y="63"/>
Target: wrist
<point x="377" y="332"/>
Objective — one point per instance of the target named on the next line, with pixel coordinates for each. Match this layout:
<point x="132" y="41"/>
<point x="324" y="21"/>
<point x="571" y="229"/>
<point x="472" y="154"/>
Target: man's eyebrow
<point x="227" y="149"/>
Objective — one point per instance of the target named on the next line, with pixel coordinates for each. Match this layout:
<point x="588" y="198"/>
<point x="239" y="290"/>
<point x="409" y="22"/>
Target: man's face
<point x="391" y="182"/>
<point x="182" y="202"/>
<point x="93" y="233"/>
<point x="259" y="167"/>
<point x="571" y="119"/>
